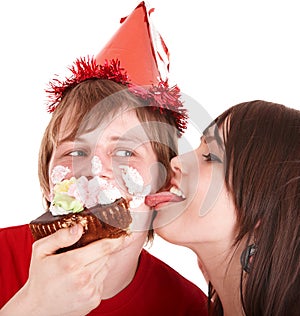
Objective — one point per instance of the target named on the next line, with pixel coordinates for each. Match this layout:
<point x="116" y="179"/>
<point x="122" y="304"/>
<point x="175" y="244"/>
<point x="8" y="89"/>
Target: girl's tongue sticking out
<point x="174" y="195"/>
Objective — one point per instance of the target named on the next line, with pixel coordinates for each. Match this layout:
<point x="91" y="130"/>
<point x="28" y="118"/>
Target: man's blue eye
<point x="77" y="153"/>
<point x="123" y="153"/>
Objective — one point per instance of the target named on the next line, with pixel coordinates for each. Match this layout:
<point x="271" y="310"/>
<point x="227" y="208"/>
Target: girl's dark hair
<point x="262" y="147"/>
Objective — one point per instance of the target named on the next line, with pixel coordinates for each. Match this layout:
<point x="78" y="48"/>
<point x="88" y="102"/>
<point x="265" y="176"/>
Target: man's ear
<point x="47" y="197"/>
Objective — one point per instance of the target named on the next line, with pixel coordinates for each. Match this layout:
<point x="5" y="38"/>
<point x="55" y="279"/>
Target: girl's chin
<point x="169" y="234"/>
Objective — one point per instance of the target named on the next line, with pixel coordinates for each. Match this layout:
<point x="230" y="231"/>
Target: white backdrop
<point x="222" y="53"/>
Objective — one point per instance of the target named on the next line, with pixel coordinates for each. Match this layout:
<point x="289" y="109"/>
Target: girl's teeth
<point x="177" y="192"/>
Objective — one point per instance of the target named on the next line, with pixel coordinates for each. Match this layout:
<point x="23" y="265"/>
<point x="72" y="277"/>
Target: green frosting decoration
<point x="67" y="202"/>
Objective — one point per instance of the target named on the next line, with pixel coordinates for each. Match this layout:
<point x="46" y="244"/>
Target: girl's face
<point x="201" y="210"/>
<point x="109" y="152"/>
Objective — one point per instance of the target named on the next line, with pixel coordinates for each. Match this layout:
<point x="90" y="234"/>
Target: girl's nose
<point x="176" y="165"/>
<point x="182" y="164"/>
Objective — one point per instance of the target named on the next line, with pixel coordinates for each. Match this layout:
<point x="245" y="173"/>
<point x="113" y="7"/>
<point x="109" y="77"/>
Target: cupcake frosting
<point x="74" y="194"/>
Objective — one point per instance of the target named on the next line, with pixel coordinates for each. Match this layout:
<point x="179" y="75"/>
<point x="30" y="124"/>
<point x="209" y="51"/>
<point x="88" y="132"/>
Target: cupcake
<point x="96" y="204"/>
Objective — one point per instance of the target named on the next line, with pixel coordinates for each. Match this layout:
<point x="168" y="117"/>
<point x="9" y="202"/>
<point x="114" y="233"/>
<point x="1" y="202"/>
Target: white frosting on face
<point x="135" y="186"/>
<point x="133" y="180"/>
<point x="59" y="173"/>
<point x="101" y="191"/>
<point x="136" y="201"/>
<point x="109" y="195"/>
<point x="96" y="165"/>
<point x="98" y="190"/>
<point x="80" y="189"/>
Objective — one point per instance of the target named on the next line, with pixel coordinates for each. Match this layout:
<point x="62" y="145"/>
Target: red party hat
<point x="136" y="56"/>
<point x="139" y="47"/>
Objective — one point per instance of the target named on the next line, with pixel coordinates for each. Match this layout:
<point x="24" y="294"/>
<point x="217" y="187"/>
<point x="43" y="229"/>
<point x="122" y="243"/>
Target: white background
<point x="222" y="53"/>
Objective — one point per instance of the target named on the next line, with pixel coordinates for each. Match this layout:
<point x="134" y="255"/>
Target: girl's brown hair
<point x="102" y="99"/>
<point x="262" y="146"/>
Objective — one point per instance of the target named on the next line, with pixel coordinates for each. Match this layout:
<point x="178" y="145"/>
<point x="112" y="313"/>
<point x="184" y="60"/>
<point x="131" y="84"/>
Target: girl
<point x="241" y="214"/>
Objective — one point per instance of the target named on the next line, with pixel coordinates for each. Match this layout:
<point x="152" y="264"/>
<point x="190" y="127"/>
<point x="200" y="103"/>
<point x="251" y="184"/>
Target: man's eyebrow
<point x="65" y="140"/>
<point x="71" y="139"/>
<point x="115" y="138"/>
<point x="136" y="139"/>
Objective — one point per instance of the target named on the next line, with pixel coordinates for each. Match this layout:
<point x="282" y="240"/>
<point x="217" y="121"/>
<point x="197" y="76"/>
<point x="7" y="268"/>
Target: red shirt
<point x="156" y="289"/>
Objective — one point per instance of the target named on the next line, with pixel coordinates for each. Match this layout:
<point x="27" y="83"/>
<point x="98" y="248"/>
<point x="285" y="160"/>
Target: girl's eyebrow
<point x="213" y="135"/>
<point x="209" y="139"/>
<point x="218" y="137"/>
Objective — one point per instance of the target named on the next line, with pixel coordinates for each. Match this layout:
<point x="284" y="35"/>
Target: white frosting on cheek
<point x="59" y="173"/>
<point x="133" y="180"/>
<point x="136" y="201"/>
<point x="96" y="165"/>
<point x="135" y="185"/>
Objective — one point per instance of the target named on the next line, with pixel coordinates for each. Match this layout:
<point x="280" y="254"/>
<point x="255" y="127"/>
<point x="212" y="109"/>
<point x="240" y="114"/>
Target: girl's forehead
<point x="214" y="134"/>
<point x="210" y="130"/>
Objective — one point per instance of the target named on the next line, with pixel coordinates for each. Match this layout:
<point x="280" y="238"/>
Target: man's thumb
<point x="62" y="238"/>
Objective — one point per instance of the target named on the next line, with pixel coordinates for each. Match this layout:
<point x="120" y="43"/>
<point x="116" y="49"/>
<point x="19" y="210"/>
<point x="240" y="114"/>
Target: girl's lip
<point x="173" y="195"/>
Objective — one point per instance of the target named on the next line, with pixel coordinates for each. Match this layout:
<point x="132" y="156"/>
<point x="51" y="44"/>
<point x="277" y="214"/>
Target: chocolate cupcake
<point x="95" y="204"/>
<point x="100" y="221"/>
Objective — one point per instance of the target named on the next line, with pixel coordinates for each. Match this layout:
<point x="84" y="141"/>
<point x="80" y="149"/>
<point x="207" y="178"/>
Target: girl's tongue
<point x="153" y="200"/>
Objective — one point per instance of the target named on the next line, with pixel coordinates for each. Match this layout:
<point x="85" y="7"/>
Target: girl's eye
<point x="77" y="153"/>
<point x="123" y="153"/>
<point x="212" y="157"/>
